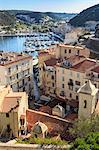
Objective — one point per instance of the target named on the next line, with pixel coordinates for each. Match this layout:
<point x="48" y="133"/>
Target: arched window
<point x="85" y="104"/>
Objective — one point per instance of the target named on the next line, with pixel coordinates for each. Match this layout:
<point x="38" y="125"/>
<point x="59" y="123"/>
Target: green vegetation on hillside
<point x="83" y="127"/>
<point x="6" y="18"/>
<point x="45" y="141"/>
<point x="90" y="142"/>
<point x="90" y="14"/>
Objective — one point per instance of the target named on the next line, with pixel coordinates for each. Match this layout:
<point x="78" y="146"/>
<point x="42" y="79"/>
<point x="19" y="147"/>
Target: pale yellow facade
<point x="13" y="106"/>
<point x="64" y="77"/>
<point x="66" y="51"/>
<point x="18" y="74"/>
<point x="43" y="56"/>
<point x="88" y="96"/>
<point x="49" y="81"/>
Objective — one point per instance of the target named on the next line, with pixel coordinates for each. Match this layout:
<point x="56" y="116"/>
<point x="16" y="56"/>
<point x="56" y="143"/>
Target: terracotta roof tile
<point x="51" y="62"/>
<point x="74" y="59"/>
<point x="96" y="69"/>
<point x="46" y="109"/>
<point x="71" y="117"/>
<point x="84" y="66"/>
<point x="10" y="103"/>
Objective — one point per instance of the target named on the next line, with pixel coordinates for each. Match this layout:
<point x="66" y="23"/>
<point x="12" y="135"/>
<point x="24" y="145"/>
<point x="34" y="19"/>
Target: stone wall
<point x="53" y="123"/>
<point x="30" y="147"/>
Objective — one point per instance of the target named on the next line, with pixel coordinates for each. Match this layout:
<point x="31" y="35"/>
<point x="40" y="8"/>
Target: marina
<point x="26" y="43"/>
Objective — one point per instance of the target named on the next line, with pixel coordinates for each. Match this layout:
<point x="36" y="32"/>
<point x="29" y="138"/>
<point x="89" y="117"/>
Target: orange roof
<point x="84" y="66"/>
<point x="43" y="53"/>
<point x="51" y="62"/>
<point x="96" y="69"/>
<point x="71" y="46"/>
<point x="74" y="59"/>
<point x="73" y="103"/>
<point x="9" y="58"/>
<point x="46" y="109"/>
<point x="10" y="103"/>
<point x="71" y="117"/>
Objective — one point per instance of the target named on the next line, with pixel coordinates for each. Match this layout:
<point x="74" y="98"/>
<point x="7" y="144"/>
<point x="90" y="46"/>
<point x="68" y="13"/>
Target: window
<point x="8" y="127"/>
<point x="77" y="83"/>
<point x="95" y="85"/>
<point x="52" y="84"/>
<point x="69" y="50"/>
<point x="17" y="75"/>
<point x="62" y="78"/>
<point x="65" y="51"/>
<point x="63" y="86"/>
<point x="70" y="84"/>
<point x="78" y="75"/>
<point x="71" y="74"/>
<point x="85" y="104"/>
<point x="29" y="79"/>
<point x="62" y="93"/>
<point x="52" y="77"/>
<point x="17" y="67"/>
<point x="23" y="89"/>
<point x="23" y="81"/>
<point x="22" y="121"/>
<point x="9" y="70"/>
<point x="70" y="95"/>
<point x="7" y="115"/>
<point x="77" y="98"/>
<point x="28" y="71"/>
<point x="78" y="52"/>
<point x="63" y="71"/>
<point x="18" y="85"/>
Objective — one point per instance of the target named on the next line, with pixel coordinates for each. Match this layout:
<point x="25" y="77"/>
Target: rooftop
<point x="43" y="53"/>
<point x="10" y="103"/>
<point x="84" y="66"/>
<point x="70" y="46"/>
<point x="67" y="63"/>
<point x="71" y="117"/>
<point x="51" y="62"/>
<point x="10" y="100"/>
<point x="88" y="88"/>
<point x="7" y="58"/>
<point x="75" y="58"/>
<point x="96" y="69"/>
<point x="46" y="109"/>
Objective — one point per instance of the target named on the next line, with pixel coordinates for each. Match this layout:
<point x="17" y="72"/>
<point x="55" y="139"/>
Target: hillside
<point x="38" y="16"/>
<point x="9" y="17"/>
<point x="6" y="18"/>
<point x="90" y="14"/>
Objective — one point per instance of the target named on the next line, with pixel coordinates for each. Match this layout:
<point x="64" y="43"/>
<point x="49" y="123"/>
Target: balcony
<point x="70" y="84"/>
<point x="92" y="77"/>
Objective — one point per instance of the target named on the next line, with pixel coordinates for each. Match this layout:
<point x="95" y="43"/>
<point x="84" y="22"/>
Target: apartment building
<point x="42" y="57"/>
<point x="49" y="78"/>
<point x="88" y="100"/>
<point x="93" y="75"/>
<point x="16" y="70"/>
<point x="13" y="106"/>
<point x="66" y="51"/>
<point x="71" y="75"/>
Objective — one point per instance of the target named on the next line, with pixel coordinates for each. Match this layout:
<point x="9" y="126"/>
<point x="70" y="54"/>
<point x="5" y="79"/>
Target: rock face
<point x="97" y="31"/>
<point x="6" y="18"/>
<point x="93" y="43"/>
<point x="90" y="14"/>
